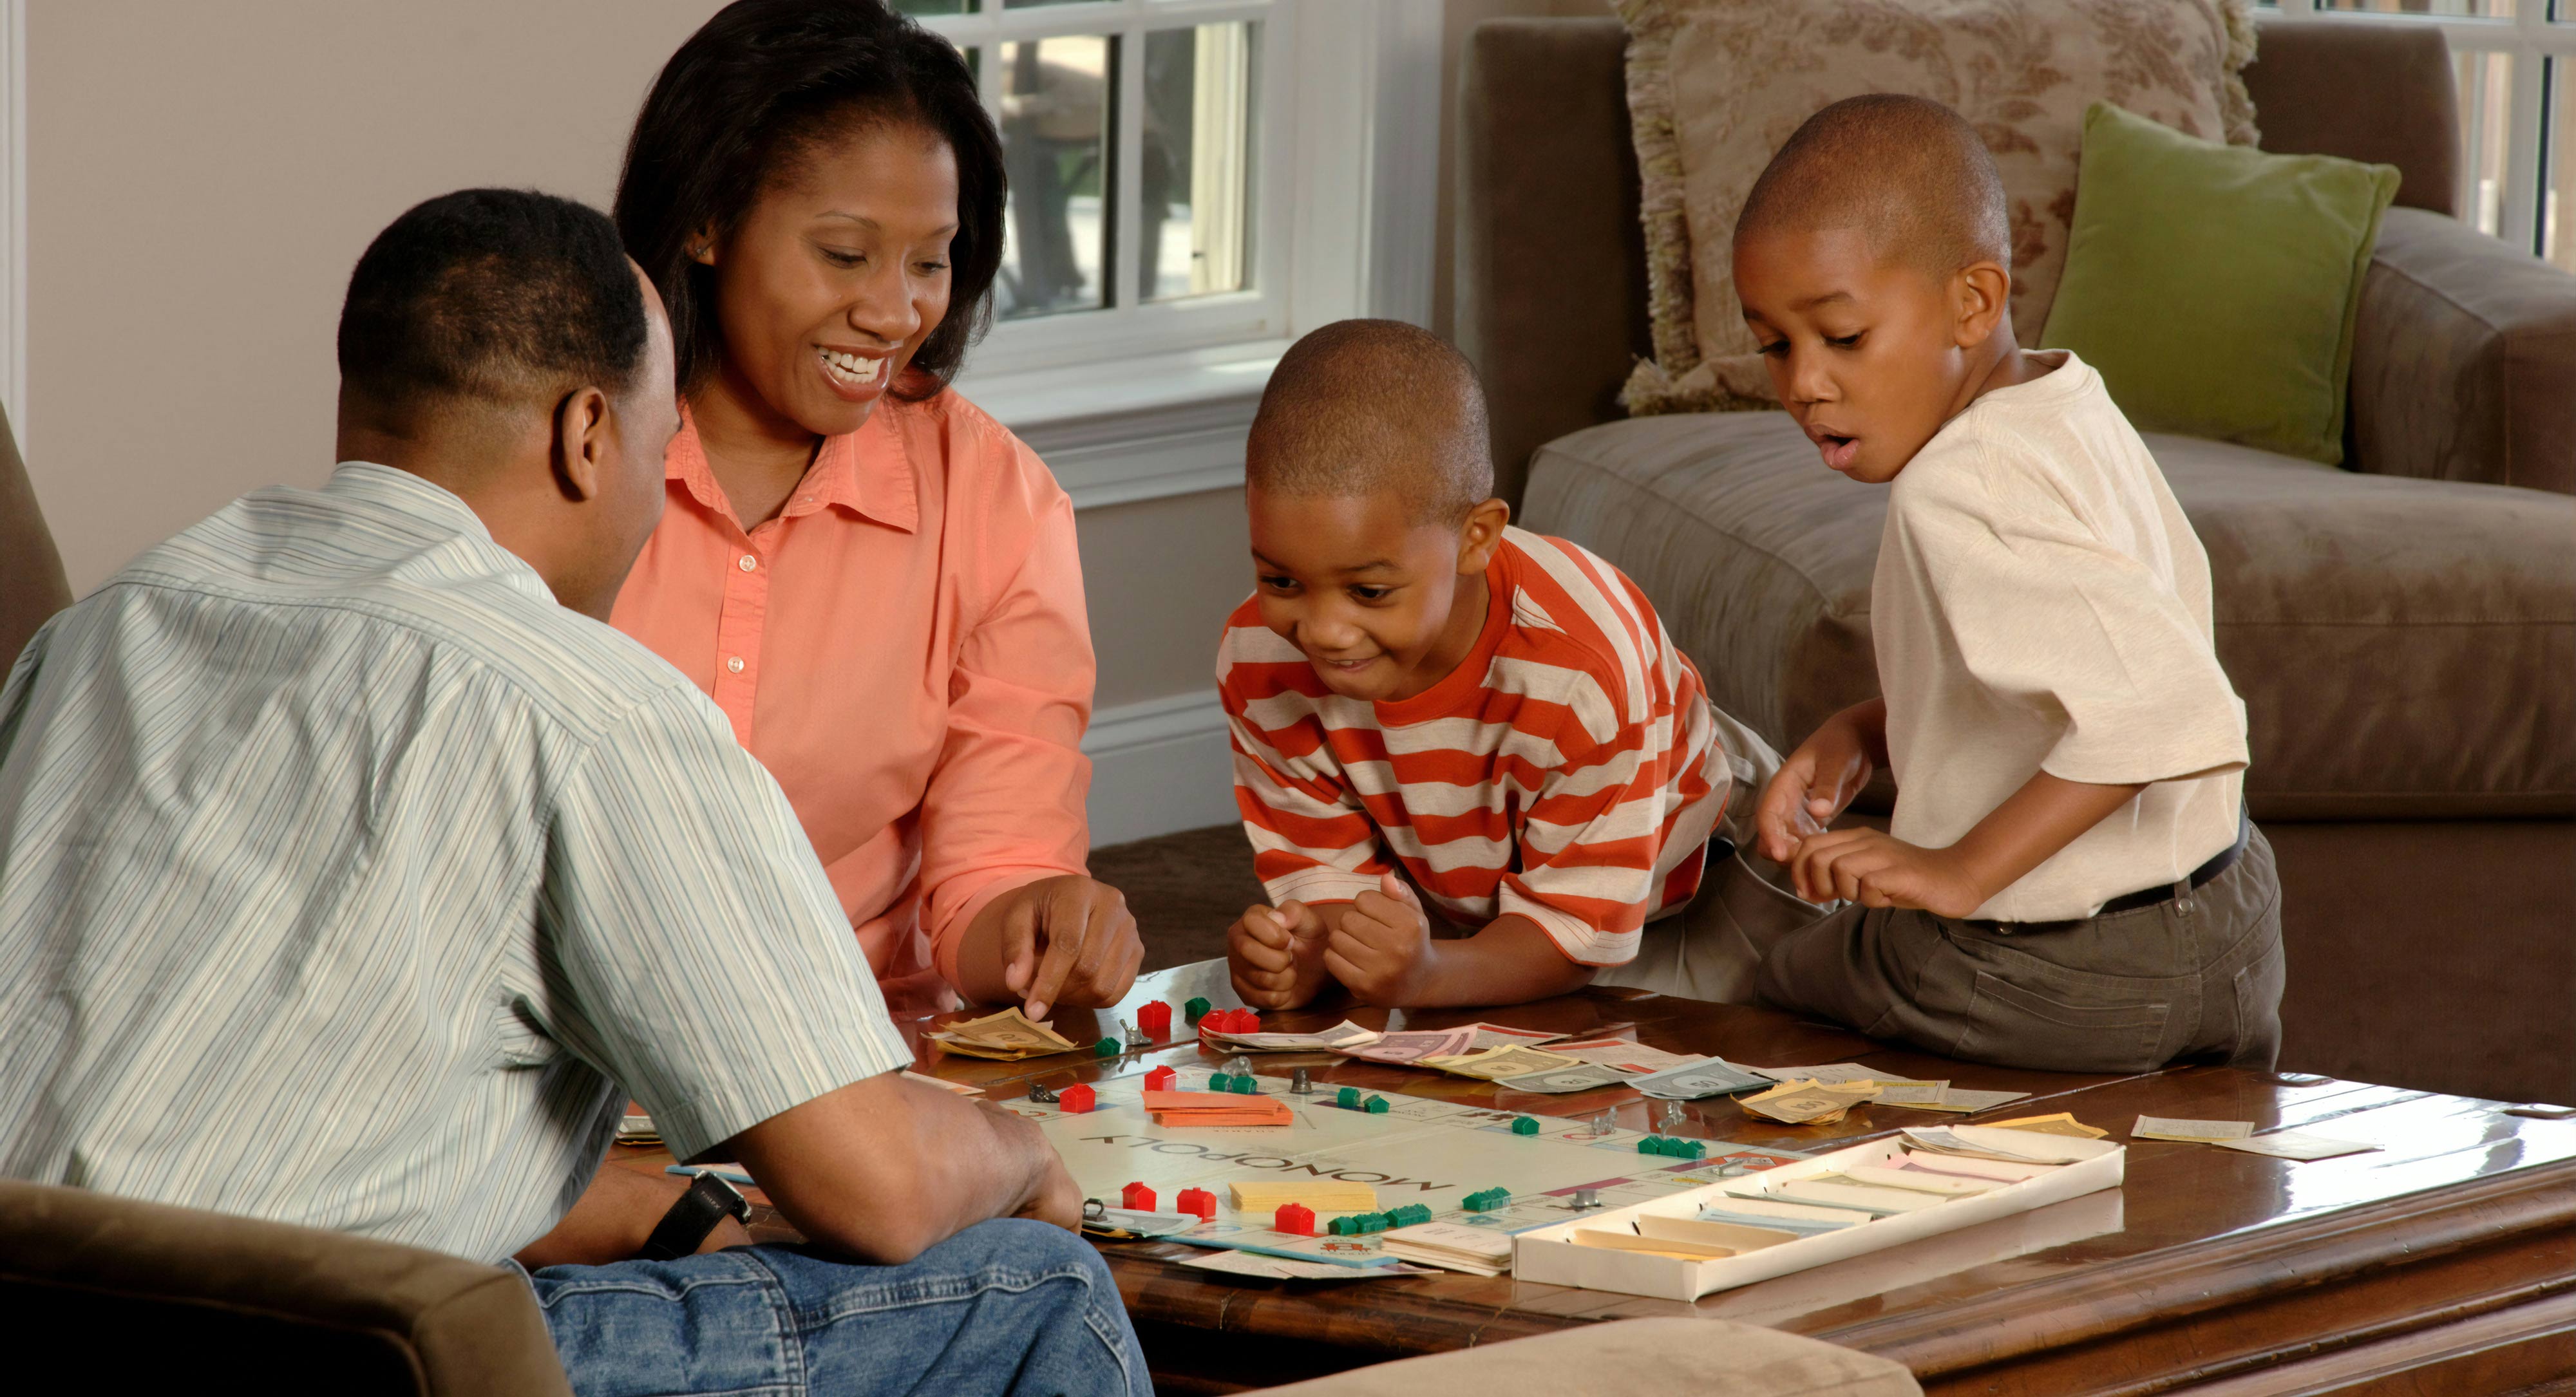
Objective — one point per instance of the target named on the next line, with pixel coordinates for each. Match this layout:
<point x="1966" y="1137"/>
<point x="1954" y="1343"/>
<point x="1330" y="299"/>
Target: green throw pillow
<point x="2214" y="287"/>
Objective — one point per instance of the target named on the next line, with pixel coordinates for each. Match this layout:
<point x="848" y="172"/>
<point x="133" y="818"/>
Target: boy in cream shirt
<point x="2068" y="881"/>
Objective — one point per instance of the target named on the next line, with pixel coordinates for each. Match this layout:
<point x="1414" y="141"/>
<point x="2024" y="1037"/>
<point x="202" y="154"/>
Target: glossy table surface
<point x="2444" y="1261"/>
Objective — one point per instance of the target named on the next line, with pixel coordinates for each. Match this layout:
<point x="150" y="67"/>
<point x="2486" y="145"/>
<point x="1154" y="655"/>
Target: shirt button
<point x="749" y="562"/>
<point x="734" y="664"/>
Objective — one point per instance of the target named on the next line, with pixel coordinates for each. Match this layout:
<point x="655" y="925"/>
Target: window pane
<point x="1056" y="97"/>
<point x="1198" y="151"/>
<point x="2558" y="199"/>
<point x="927" y="8"/>
<point x="2448" y="9"/>
<point x="2485" y="82"/>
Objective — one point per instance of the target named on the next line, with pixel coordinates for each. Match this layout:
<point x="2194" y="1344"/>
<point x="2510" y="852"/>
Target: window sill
<point x="1140" y="428"/>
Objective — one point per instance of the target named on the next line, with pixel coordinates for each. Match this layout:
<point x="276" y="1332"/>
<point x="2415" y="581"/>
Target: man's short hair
<point x="504" y="295"/>
<point x="1361" y="407"/>
<point x="1907" y="171"/>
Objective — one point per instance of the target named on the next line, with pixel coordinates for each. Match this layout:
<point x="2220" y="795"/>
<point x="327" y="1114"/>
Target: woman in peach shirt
<point x="875" y="581"/>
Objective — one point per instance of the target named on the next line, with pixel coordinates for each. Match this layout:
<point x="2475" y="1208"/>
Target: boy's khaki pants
<point x="2198" y="975"/>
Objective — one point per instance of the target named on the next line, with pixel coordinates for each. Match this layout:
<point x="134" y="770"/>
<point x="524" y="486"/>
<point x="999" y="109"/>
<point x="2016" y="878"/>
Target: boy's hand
<point x="1812" y="787"/>
<point x="1276" y="955"/>
<point x="1381" y="949"/>
<point x="1877" y="870"/>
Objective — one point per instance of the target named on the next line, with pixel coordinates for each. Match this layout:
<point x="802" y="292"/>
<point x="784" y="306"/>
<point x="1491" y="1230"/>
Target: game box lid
<point x="1555" y="1256"/>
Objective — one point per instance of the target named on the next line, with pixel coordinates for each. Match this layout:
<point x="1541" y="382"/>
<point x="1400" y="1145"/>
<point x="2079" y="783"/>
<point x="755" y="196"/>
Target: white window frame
<point x="2529" y="39"/>
<point x="1137" y="400"/>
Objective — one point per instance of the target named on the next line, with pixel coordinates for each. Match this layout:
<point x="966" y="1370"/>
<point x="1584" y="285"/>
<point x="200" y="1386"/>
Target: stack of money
<point x="1692" y="1080"/>
<point x="1958" y="1101"/>
<point x="1809" y="1102"/>
<point x="1409" y="1049"/>
<point x="1007" y="1035"/>
<point x="1501" y="1062"/>
<point x="1344" y="1037"/>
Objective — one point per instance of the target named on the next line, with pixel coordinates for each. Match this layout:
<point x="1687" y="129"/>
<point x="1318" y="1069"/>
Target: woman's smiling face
<point x="835" y="276"/>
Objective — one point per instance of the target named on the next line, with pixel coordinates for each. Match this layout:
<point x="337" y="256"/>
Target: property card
<point x="1279" y="1268"/>
<point x="2190" y="1132"/>
<point x="2291" y="1144"/>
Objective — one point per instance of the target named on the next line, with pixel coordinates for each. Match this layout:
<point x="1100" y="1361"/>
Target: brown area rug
<point x="1184" y="888"/>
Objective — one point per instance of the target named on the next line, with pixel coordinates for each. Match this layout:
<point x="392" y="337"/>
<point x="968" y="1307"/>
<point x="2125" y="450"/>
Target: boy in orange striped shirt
<point x="1422" y="696"/>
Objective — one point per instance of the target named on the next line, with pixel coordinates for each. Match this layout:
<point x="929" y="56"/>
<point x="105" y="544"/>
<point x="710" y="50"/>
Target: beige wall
<point x="202" y="176"/>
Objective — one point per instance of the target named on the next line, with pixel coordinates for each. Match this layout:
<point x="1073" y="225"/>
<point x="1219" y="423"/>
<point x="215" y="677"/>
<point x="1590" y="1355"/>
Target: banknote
<point x="2292" y="1144"/>
<point x="1008" y="1035"/>
<point x="1913" y="1093"/>
<point x="1412" y="1047"/>
<point x="1494" y="1035"/>
<point x="1582" y="1076"/>
<point x="1962" y="1101"/>
<point x="2167" y="1128"/>
<point x="1501" y="1062"/>
<point x="1803" y="1103"/>
<point x="1620" y="1053"/>
<point x="1713" y="1076"/>
<point x="1830" y="1074"/>
<point x="1342" y="1037"/>
<point x="2063" y="1123"/>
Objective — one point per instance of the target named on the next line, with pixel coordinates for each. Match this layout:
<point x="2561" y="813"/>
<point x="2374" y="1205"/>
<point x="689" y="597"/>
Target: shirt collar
<point x="867" y="473"/>
<point x="408" y="494"/>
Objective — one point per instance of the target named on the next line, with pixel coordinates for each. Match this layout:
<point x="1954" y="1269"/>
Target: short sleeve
<point x="696" y="952"/>
<point x="2054" y="620"/>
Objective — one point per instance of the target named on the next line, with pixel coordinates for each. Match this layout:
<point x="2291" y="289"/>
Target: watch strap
<point x="682" y="1230"/>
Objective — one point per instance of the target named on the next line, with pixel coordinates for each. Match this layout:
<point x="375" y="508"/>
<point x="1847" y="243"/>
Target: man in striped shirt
<point x="353" y="872"/>
<point x="1417" y="686"/>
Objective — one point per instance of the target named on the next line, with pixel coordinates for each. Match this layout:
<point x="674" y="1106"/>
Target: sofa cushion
<point x="1715" y="87"/>
<point x="2403" y="646"/>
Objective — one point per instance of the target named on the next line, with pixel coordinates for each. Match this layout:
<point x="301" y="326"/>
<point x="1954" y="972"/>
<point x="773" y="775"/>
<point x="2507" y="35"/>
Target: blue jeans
<point x="1011" y="1306"/>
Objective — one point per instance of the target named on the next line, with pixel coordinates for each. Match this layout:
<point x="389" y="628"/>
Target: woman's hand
<point x="1066" y="940"/>
<point x="1819" y="779"/>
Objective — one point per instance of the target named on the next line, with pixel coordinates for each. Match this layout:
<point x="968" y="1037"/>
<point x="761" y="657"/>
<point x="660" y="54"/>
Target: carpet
<point x="1185" y="890"/>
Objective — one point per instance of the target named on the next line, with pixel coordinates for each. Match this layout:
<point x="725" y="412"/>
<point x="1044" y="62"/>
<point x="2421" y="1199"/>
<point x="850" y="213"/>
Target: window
<point x="1145" y="211"/>
<point x="2514" y="64"/>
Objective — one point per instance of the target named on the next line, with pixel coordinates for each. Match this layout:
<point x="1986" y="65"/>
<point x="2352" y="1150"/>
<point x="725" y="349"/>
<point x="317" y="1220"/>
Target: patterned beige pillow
<point x="1715" y="86"/>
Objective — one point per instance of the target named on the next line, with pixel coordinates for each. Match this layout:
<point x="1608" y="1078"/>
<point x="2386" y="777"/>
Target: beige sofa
<point x="2403" y="632"/>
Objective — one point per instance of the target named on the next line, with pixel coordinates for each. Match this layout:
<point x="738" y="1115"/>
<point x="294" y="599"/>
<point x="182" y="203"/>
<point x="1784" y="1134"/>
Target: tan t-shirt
<point x="2041" y="604"/>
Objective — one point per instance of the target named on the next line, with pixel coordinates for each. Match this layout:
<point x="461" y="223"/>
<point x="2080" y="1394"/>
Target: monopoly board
<point x="1418" y="1151"/>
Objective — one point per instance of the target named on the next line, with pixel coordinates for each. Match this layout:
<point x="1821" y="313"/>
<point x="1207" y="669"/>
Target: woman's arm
<point x="1009" y="904"/>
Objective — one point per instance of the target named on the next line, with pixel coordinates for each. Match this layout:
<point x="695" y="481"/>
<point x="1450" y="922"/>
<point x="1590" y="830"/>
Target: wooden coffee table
<point x="2445" y="1262"/>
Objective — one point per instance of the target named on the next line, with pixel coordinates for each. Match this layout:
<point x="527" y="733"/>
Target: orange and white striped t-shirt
<point x="1568" y="770"/>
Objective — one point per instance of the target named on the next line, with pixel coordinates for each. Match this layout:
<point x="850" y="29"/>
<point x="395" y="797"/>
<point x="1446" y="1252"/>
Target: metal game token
<point x="1042" y="1094"/>
<point x="1300" y="1084"/>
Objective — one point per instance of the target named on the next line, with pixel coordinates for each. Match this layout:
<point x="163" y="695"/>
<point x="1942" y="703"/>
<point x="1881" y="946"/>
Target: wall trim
<point x="1159" y="766"/>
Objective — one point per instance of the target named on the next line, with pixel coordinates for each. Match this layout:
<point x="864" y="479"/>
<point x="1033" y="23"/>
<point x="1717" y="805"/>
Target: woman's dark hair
<point x="759" y="86"/>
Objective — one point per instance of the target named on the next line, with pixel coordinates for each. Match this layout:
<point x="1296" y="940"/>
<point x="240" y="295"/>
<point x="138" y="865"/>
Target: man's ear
<point x="1481" y="535"/>
<point x="1982" y="293"/>
<point x="581" y="444"/>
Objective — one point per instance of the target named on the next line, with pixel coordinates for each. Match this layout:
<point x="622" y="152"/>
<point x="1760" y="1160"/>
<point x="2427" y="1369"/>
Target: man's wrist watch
<point x="710" y="1200"/>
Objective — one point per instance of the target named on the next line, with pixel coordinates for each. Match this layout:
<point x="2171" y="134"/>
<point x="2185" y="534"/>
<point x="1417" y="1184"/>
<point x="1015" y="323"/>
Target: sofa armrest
<point x="172" y="1295"/>
<point x="2464" y="359"/>
<point x="1550" y="278"/>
